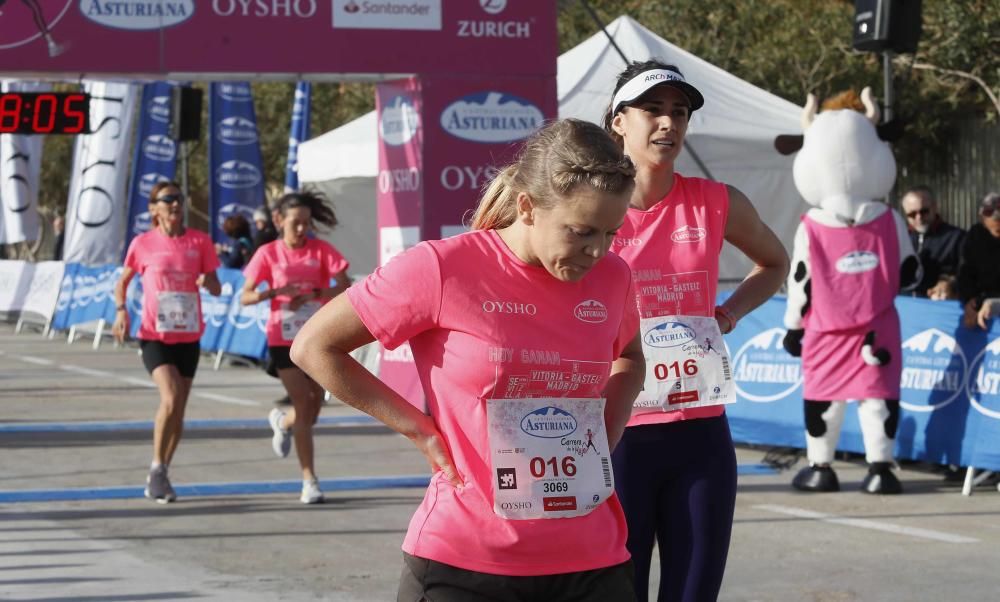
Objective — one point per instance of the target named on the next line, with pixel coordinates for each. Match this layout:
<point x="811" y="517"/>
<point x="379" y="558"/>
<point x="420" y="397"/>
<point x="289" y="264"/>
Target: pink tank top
<point x="673" y="249"/>
<point x="844" y="261"/>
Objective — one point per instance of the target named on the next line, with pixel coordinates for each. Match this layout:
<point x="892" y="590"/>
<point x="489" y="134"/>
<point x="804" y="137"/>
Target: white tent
<point x="732" y="135"/>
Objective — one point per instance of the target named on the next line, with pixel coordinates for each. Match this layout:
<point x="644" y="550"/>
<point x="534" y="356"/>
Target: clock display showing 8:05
<point x="44" y="113"/>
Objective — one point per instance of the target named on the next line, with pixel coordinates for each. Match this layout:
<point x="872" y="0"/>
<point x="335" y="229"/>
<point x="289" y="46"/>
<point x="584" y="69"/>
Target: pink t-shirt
<point x="673" y="249"/>
<point x="310" y="266"/>
<point x="169" y="268"/>
<point x="482" y="324"/>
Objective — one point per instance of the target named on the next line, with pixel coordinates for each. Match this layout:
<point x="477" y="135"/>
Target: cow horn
<point x="871" y="109"/>
<point x="809" y="112"/>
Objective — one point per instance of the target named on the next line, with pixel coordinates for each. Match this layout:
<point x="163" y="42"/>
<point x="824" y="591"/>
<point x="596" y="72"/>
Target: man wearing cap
<point x="939" y="244"/>
<point x="979" y="276"/>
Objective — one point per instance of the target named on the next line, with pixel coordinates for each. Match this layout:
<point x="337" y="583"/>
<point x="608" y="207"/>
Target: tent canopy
<point x="733" y="134"/>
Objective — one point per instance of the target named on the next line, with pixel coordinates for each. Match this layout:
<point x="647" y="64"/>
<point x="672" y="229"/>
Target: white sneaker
<point x="311" y="493"/>
<point x="281" y="442"/>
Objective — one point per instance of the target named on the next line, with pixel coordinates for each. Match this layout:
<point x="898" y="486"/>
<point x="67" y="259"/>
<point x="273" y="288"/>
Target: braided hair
<point x="555" y="162"/>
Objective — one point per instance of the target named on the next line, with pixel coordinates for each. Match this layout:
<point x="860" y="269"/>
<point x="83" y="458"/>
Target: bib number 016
<point x="540" y="467"/>
<point x="664" y="371"/>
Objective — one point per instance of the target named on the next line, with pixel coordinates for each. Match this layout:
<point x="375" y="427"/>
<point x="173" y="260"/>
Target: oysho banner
<point x="234" y="160"/>
<point x="95" y="212"/>
<point x="299" y="133"/>
<point x="20" y="166"/>
<point x="155" y="158"/>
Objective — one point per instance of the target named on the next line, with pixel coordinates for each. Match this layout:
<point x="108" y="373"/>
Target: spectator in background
<point x="938" y="244"/>
<point x="979" y="275"/>
<point x="236" y="254"/>
<point x="266" y="230"/>
<point x="59" y="228"/>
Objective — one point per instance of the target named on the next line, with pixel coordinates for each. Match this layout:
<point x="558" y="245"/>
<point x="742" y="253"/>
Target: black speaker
<point x="887" y="25"/>
<point x="185" y="113"/>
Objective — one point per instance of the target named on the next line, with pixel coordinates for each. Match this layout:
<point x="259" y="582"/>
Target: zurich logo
<point x="493" y="7"/>
<point x="237" y="174"/>
<point x="148" y="180"/>
<point x="934" y="371"/>
<point x="138" y="15"/>
<point x="549" y="422"/>
<point x="857" y="262"/>
<point x="235" y="92"/>
<point x="668" y="334"/>
<point x="983" y="384"/>
<point x="399" y="121"/>
<point x="159" y="148"/>
<point x="236" y="131"/>
<point x="763" y="371"/>
<point x="159" y="109"/>
<point x="491" y="117"/>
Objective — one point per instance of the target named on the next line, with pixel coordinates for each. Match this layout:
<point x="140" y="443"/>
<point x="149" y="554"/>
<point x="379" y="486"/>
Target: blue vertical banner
<point x="155" y="157"/>
<point x="299" y="133"/>
<point x="234" y="159"/>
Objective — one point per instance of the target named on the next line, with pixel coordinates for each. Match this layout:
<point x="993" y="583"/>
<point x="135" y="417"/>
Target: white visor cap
<point x="643" y="82"/>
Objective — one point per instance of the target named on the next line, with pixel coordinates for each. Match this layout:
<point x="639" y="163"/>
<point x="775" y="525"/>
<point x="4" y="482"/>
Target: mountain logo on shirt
<point x="686" y="234"/>
<point x="549" y="422"/>
<point x="857" y="262"/>
<point x="591" y="311"/>
<point x="668" y="334"/>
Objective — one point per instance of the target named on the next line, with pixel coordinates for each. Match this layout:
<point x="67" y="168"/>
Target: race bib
<point x="292" y="321"/>
<point x="550" y="457"/>
<point x="687" y="365"/>
<point x="177" y="312"/>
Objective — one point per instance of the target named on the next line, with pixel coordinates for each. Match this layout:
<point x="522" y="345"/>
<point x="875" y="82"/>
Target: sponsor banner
<point x="20" y="166"/>
<point x="299" y="133"/>
<point x="234" y="160"/>
<point x="155" y="158"/>
<point x="95" y="232"/>
<point x="950" y="386"/>
<point x="15" y="280"/>
<point x="153" y="37"/>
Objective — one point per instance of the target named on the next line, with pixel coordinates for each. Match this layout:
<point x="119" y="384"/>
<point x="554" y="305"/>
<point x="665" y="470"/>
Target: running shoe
<point x="158" y="487"/>
<point x="281" y="442"/>
<point x="311" y="493"/>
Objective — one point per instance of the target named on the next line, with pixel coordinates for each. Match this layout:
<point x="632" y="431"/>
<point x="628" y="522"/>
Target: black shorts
<point x="424" y="579"/>
<point x="280" y="358"/>
<point x="183" y="355"/>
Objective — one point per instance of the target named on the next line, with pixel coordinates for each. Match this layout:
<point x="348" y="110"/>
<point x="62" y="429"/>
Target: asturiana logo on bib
<point x="857" y="262"/>
<point x="549" y="422"/>
<point x="137" y="15"/>
<point x="668" y="334"/>
<point x="686" y="234"/>
<point x="934" y="371"/>
<point x="592" y="311"/>
<point x="237" y="174"/>
<point x="159" y="148"/>
<point x="159" y="109"/>
<point x="236" y="131"/>
<point x="399" y="121"/>
<point x="236" y="92"/>
<point x="763" y="371"/>
<point x="491" y="117"/>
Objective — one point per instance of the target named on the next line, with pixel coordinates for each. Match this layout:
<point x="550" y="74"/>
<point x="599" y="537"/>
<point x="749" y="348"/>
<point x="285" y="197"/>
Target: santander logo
<point x="591" y="311"/>
<point x="687" y="234"/>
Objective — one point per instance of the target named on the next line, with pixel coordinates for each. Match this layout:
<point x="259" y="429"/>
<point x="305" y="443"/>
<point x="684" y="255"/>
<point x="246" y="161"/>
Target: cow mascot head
<point x="850" y="258"/>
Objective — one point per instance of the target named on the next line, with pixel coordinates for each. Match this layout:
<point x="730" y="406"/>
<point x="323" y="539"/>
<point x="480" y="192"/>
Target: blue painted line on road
<point x="147" y="425"/>
<point x="252" y="488"/>
<point x="211" y="489"/>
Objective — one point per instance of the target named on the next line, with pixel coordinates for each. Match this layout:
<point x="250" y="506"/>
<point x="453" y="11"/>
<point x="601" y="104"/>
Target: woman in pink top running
<point x="523" y="332"/>
<point x="676" y="466"/>
<point x="172" y="261"/>
<point x="299" y="270"/>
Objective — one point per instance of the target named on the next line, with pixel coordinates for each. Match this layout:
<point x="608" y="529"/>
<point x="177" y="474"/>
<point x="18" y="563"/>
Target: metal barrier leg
<point x="970" y="473"/>
<point x="98" y="333"/>
<point x="17" y="328"/>
<point x="218" y="360"/>
<point x="72" y="335"/>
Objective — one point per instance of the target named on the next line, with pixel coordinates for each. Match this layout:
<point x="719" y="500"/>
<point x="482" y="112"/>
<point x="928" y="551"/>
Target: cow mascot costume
<point x="851" y="257"/>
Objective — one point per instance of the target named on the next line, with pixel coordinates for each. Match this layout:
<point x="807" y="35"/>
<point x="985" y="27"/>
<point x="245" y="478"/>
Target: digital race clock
<point x="44" y="113"/>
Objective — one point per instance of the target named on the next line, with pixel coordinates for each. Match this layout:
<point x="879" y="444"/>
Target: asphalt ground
<point x="75" y="444"/>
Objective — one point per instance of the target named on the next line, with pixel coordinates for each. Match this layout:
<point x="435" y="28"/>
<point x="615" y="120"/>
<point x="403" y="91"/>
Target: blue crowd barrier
<point x="950" y="393"/>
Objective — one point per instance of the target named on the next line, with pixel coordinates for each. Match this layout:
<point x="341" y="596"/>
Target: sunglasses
<point x="921" y="212"/>
<point x="990" y="212"/>
<point x="170" y="198"/>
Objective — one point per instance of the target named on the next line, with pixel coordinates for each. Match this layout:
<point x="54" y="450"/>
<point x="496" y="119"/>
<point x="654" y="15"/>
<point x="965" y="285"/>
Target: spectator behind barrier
<point x="266" y="230"/>
<point x="979" y="275"/>
<point x="938" y="244"/>
<point x="236" y="254"/>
